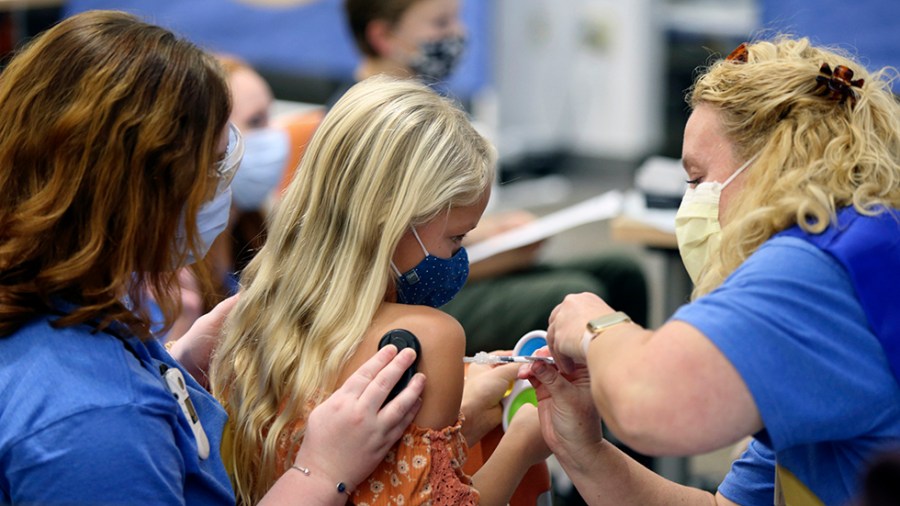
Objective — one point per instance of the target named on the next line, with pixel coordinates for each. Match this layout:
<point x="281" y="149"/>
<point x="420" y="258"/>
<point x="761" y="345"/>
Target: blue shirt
<point x="85" y="420"/>
<point x="789" y="321"/>
<point x="752" y="477"/>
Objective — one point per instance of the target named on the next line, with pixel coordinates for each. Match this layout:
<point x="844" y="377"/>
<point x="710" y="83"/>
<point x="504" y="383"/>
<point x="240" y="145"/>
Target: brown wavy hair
<point x="109" y="129"/>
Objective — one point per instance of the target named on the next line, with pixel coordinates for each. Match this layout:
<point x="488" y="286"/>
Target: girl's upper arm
<point x="443" y="344"/>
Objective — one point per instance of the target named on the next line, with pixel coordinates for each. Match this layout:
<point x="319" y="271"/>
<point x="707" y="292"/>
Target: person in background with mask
<point x="509" y="294"/>
<point x="366" y="238"/>
<point x="116" y="158"/>
<point x="424" y="39"/>
<point x="791" y="232"/>
<point x="266" y="147"/>
<point x="266" y="153"/>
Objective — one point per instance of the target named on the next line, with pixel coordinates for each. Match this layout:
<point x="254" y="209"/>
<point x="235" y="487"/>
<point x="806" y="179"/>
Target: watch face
<point x="599" y="324"/>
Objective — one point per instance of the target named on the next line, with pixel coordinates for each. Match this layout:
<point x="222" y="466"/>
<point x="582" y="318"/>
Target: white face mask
<point x="697" y="223"/>
<point x="265" y="156"/>
<point x="212" y="219"/>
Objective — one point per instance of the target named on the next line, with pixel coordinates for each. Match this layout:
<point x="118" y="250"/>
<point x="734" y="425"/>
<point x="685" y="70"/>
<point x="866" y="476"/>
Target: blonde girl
<point x="365" y="239"/>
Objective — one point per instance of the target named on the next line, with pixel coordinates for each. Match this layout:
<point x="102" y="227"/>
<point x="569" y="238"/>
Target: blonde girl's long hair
<point x="390" y="154"/>
<point x="816" y="154"/>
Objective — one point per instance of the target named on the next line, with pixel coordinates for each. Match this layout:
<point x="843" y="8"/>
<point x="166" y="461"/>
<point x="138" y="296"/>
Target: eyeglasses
<point x="228" y="165"/>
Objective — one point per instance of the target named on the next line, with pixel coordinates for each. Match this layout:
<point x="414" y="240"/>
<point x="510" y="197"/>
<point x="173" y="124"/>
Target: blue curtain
<point x="309" y="40"/>
<point x="867" y="28"/>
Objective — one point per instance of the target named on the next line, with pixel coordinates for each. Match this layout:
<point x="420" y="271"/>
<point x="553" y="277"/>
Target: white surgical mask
<point x="265" y="156"/>
<point x="212" y="219"/>
<point x="697" y="223"/>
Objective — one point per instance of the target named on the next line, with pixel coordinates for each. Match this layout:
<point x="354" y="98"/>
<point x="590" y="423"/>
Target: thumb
<point x="223" y="308"/>
<point x="505" y="373"/>
<point x="546" y="374"/>
<point x="215" y="318"/>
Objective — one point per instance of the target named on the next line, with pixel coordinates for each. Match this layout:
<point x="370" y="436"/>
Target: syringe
<point x="486" y="358"/>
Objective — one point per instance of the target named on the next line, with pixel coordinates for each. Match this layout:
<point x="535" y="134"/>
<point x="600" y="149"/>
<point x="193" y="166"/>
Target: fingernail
<point x="409" y="354"/>
<point x="524" y="371"/>
<point x="538" y="368"/>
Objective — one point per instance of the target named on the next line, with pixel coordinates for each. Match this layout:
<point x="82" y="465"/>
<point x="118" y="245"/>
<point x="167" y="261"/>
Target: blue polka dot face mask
<point x="434" y="281"/>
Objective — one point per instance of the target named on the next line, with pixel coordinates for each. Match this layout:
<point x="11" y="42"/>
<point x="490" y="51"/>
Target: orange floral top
<point x="423" y="468"/>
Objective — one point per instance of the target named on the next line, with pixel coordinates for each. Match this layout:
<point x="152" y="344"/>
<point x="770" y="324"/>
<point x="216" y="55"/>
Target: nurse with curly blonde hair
<point x="791" y="232"/>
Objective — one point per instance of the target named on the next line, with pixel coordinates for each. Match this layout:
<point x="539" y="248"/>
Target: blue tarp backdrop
<point x="865" y="28"/>
<point x="308" y="40"/>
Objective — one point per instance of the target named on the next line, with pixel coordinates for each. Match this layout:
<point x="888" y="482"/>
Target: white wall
<point x="583" y="76"/>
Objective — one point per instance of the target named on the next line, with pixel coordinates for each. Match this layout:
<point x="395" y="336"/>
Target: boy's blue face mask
<point x="434" y="281"/>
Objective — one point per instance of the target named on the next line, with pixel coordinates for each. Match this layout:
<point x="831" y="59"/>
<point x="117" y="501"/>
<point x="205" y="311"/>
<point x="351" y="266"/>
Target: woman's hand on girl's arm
<point x="349" y="434"/>
<point x="570" y="423"/>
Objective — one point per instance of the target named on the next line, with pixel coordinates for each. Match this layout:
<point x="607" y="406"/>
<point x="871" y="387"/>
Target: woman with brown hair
<point x="115" y="163"/>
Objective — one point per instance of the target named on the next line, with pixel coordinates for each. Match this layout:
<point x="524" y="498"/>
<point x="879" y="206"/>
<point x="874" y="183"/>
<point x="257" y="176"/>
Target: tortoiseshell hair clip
<point x="838" y="84"/>
<point x="739" y="55"/>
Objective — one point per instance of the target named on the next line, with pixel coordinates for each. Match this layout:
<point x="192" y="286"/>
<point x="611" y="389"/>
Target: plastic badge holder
<point x="522" y="392"/>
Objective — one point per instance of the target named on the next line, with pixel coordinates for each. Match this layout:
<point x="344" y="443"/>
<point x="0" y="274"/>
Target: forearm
<point x="500" y="475"/>
<point x="613" y="478"/>
<point x="295" y="488"/>
<point x="669" y="392"/>
<point x="619" y="387"/>
<point x="503" y="263"/>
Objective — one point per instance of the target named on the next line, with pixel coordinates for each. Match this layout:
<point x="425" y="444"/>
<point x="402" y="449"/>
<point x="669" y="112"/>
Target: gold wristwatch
<point x="596" y="326"/>
<point x="601" y="323"/>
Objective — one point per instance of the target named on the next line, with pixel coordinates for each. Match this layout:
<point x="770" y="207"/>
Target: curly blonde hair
<point x="815" y="154"/>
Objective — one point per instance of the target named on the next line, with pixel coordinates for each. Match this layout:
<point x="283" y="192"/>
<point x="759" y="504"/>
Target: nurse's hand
<point x="349" y="434"/>
<point x="194" y="349"/>
<point x="570" y="423"/>
<point x="568" y="326"/>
